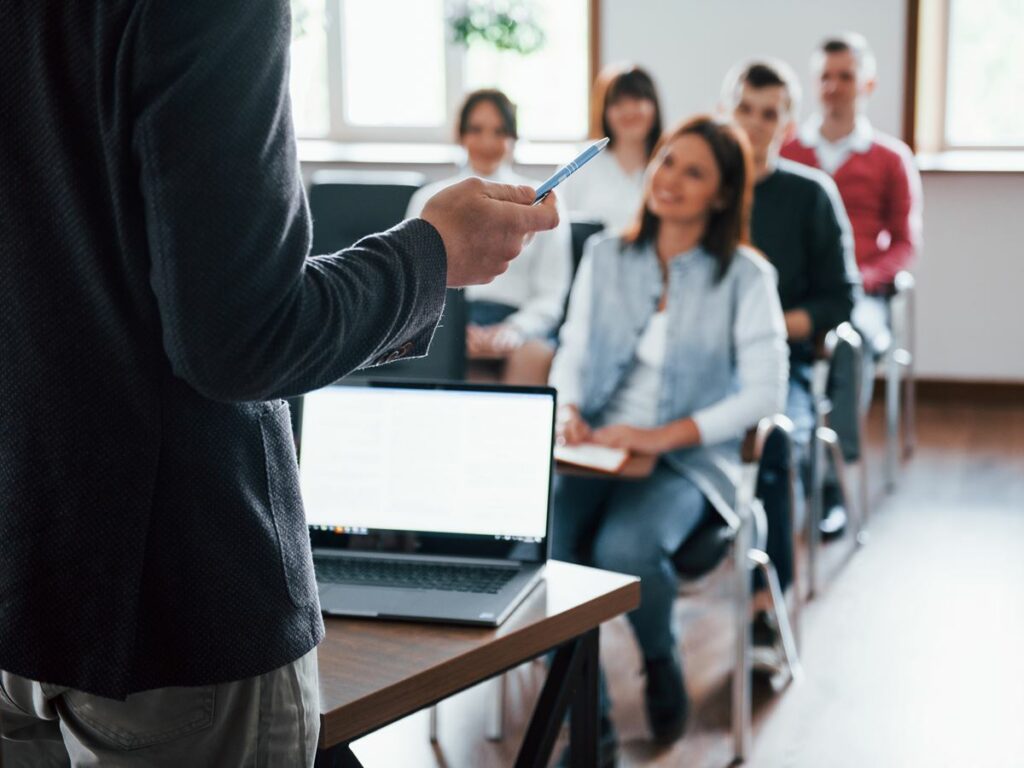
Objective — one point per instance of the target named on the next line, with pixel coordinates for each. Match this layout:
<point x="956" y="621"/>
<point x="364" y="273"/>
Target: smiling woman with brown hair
<point x="674" y="346"/>
<point x="625" y="108"/>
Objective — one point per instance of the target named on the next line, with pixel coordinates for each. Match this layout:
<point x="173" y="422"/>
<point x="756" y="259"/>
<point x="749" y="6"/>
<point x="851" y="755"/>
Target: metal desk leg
<point x="572" y="679"/>
<point x="340" y="756"/>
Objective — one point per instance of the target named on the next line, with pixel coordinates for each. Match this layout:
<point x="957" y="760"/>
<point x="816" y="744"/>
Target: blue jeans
<point x="631" y="527"/>
<point x="488" y="312"/>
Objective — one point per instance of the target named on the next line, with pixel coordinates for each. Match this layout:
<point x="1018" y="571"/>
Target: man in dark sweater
<point x="157" y="302"/>
<point x="799" y="223"/>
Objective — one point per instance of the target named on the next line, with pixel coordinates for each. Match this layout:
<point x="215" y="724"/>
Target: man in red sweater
<point x="875" y="173"/>
<point x="881" y="191"/>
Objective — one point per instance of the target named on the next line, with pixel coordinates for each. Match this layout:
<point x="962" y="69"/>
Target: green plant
<point x="506" y="26"/>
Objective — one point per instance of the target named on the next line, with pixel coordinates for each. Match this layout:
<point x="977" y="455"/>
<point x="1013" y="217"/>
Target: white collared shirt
<point x="604" y="191"/>
<point x="537" y="281"/>
<point x="832" y="154"/>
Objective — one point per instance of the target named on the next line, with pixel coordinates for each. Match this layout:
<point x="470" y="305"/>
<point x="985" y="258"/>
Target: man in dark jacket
<point x="157" y="300"/>
<point x="799" y="222"/>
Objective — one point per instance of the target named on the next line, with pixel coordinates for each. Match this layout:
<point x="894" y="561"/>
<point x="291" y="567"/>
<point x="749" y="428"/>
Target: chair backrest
<point x="844" y="351"/>
<point x="767" y="446"/>
<point x="582" y="230"/>
<point x="348" y="205"/>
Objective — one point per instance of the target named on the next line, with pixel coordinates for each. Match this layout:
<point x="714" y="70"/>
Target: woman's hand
<point x="492" y="341"/>
<point x="570" y="428"/>
<point x="632" y="439"/>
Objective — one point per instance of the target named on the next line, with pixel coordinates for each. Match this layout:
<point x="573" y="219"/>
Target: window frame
<point x="339" y="130"/>
<point x="926" y="98"/>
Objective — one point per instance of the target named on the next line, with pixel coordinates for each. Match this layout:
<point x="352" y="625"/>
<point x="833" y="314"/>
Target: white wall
<point x="971" y="278"/>
<point x="689" y="45"/>
<point x="971" y="274"/>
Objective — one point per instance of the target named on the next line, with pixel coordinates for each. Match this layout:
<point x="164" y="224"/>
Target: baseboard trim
<point x="998" y="393"/>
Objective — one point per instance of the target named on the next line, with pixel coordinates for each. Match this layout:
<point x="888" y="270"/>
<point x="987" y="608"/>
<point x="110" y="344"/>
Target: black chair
<point x="348" y="205"/>
<point x="841" y="356"/>
<point x="740" y="535"/>
<point x="582" y="230"/>
<point x="446" y="360"/>
<point x="898" y="363"/>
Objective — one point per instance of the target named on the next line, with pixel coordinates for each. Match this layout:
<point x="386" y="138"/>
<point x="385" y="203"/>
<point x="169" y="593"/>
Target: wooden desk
<point x="375" y="672"/>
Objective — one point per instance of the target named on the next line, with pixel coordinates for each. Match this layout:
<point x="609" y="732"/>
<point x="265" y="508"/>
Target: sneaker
<point x="665" y="696"/>
<point x="833" y="523"/>
<point x="607" y="747"/>
<point x="766" y="652"/>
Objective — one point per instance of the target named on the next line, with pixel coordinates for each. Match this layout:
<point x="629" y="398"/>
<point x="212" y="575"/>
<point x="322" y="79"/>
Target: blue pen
<point x="570" y="168"/>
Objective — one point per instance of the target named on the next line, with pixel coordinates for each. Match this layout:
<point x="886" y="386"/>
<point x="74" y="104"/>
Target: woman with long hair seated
<point x="674" y="346"/>
<point x="625" y="108"/>
<point x="512" y="320"/>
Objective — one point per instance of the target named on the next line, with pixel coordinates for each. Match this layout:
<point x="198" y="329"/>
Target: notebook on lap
<point x="427" y="501"/>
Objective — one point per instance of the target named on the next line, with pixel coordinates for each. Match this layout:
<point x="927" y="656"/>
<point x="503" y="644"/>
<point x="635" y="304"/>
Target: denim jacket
<point x="726" y="360"/>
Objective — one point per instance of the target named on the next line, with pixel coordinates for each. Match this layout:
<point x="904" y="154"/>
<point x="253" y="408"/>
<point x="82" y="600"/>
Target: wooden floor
<point x="913" y="654"/>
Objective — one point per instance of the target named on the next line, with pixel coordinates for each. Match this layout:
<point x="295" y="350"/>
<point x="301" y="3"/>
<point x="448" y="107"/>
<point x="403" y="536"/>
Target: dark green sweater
<point x="799" y="222"/>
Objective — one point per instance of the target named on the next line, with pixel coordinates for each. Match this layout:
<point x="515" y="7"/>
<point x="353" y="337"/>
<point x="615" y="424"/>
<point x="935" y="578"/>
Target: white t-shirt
<point x="602" y="190"/>
<point x="636" y="400"/>
<point x="537" y="281"/>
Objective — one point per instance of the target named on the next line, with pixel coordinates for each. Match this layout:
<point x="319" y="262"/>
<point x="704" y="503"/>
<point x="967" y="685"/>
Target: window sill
<point x="972" y="161"/>
<point x="323" y="151"/>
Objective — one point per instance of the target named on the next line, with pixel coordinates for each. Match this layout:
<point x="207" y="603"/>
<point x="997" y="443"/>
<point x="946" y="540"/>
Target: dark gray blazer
<point x="157" y="300"/>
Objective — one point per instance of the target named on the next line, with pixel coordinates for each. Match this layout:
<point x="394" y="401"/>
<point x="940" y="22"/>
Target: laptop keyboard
<point x="412" y="575"/>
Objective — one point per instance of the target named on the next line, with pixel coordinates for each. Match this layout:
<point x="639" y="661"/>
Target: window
<point x="985" y="74"/>
<point x="970" y="69"/>
<point x="390" y="70"/>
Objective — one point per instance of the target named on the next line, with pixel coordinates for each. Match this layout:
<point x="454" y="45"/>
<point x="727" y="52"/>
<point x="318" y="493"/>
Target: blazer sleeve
<point x="246" y="312"/>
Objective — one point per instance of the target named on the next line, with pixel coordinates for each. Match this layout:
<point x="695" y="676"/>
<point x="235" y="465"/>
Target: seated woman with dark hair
<point x="625" y="108"/>
<point x="513" y="319"/>
<point x="674" y="346"/>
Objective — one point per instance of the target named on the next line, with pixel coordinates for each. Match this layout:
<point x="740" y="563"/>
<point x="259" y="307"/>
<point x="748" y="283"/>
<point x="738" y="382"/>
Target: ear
<point x="869" y="86"/>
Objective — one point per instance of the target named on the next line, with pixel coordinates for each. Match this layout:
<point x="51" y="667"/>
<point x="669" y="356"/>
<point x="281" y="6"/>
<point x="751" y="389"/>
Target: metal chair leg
<point x="741" y="677"/>
<point x="763" y="563"/>
<point x="859" y="500"/>
<point x="496" y="691"/>
<point x="497" y="688"/>
<point x="815" y="509"/>
<point x="433" y="724"/>
<point x="892" y="418"/>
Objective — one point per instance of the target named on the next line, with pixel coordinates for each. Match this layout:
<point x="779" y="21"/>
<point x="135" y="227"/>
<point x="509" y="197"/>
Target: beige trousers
<point x="266" y="721"/>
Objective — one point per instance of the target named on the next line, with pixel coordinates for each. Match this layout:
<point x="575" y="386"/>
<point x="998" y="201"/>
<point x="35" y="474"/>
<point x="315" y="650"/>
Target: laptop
<point x="427" y="501"/>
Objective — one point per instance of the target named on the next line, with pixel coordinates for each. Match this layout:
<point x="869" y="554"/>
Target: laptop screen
<point x="436" y="461"/>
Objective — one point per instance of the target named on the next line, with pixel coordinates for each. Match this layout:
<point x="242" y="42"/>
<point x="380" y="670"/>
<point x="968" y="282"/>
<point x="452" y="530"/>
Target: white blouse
<point x="602" y="190"/>
<point x="761" y="368"/>
<point x="537" y="281"/>
<point x="636" y="400"/>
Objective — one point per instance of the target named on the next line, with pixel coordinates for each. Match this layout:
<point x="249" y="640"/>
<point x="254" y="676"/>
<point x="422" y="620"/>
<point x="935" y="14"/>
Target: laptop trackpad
<point x="390" y="602"/>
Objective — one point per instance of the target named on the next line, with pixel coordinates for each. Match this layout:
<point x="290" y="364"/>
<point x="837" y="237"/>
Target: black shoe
<point x="833" y="523"/>
<point x="666" y="699"/>
<point x="766" y="653"/>
<point x="607" y="747"/>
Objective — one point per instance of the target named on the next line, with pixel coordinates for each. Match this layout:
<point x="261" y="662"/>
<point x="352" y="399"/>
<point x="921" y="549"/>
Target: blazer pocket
<point x="286" y="504"/>
<point x="143" y="719"/>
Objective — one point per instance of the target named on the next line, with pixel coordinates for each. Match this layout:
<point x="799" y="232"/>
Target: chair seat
<point x="704" y="549"/>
